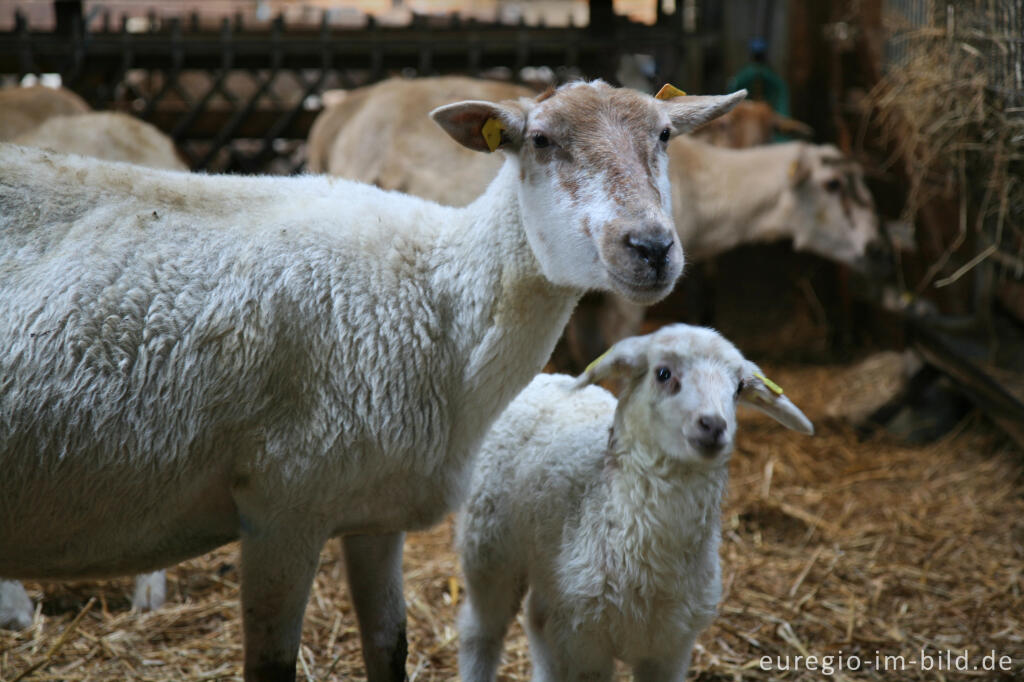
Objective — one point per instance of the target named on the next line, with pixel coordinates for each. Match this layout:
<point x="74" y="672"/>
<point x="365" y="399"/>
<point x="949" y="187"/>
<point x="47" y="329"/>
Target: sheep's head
<point x="681" y="388"/>
<point x="594" y="190"/>
<point x="833" y="211"/>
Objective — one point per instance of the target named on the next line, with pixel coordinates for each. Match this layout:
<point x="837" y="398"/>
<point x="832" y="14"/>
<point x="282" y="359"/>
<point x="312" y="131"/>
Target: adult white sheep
<point x="22" y="109"/>
<point x="116" y="137"/>
<point x="282" y="360"/>
<point x="607" y="513"/>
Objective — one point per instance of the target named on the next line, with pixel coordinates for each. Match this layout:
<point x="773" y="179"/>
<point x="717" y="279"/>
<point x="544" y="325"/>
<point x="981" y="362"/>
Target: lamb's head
<point x="594" y="188"/>
<point x="681" y="386"/>
<point x="833" y="211"/>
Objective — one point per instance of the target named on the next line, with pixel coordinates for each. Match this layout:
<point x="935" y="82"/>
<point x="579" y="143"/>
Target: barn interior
<point x="890" y="543"/>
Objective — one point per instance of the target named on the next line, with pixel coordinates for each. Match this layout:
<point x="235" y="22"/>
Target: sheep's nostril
<point x="711" y="427"/>
<point x="653" y="250"/>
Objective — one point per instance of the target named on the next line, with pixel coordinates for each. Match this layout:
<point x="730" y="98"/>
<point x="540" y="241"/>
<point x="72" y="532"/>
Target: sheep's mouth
<point x="642" y="292"/>
<point x="707" y="448"/>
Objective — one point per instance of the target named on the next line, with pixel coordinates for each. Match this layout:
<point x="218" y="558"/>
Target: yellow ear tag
<point x="772" y="386"/>
<point x="597" y="361"/>
<point x="492" y="133"/>
<point x="669" y="91"/>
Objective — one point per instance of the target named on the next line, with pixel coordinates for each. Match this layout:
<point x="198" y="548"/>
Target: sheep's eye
<point x="540" y="141"/>
<point x="663" y="374"/>
<point x="739" y="388"/>
<point x="665" y="134"/>
<point x="833" y="185"/>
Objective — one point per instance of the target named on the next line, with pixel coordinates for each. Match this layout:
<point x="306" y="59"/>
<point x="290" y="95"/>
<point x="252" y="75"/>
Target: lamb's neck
<point x="660" y="508"/>
<point x="727" y="197"/>
<point x="513" y="314"/>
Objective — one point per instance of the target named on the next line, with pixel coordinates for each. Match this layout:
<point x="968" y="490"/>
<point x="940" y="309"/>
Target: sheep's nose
<point x="653" y="250"/>
<point x="710" y="428"/>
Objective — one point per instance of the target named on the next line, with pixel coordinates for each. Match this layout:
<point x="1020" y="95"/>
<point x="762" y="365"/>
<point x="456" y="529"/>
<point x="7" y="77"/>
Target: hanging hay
<point x="829" y="545"/>
<point x="951" y="105"/>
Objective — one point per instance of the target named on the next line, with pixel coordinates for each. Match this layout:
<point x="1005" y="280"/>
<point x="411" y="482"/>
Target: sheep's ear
<point x="483" y="126"/>
<point x="689" y="111"/>
<point x="626" y="358"/>
<point x="800" y="168"/>
<point x="765" y="395"/>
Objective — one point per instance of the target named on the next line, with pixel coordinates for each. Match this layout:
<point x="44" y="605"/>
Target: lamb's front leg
<point x="374" y="565"/>
<point x="278" y="567"/>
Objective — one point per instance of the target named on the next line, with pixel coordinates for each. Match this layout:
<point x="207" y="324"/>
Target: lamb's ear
<point x="483" y="126"/>
<point x="626" y="358"/>
<point x="765" y="395"/>
<point x="689" y="111"/>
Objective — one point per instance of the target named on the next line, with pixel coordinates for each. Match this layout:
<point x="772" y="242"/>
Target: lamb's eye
<point x="739" y="388"/>
<point x="540" y="141"/>
<point x="663" y="374"/>
<point x="833" y="185"/>
<point x="665" y="134"/>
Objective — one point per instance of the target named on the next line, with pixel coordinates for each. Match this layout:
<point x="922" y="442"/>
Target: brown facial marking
<point x="612" y="130"/>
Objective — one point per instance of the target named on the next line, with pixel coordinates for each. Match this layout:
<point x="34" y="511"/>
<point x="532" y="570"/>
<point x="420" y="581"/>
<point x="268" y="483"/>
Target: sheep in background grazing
<point x="106" y="135"/>
<point x="22" y="109"/>
<point x="115" y="137"/>
<point x="285" y="360"/>
<point x="605" y="514"/>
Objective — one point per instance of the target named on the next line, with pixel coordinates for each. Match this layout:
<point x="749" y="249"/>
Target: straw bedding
<point x="830" y="545"/>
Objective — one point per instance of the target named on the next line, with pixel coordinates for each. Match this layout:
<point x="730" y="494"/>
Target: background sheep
<point x="751" y="123"/>
<point x="115" y="137"/>
<point x="608" y="514"/>
<point x="106" y="135"/>
<point x="283" y="360"/>
<point x="22" y="109"/>
<point x="808" y="193"/>
<point x="381" y="134"/>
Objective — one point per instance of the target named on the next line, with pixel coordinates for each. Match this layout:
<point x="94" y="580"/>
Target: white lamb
<point x="607" y="514"/>
<point x="186" y="360"/>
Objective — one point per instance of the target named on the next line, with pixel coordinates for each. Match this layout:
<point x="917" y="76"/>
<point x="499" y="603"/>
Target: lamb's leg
<point x="15" y="607"/>
<point x="278" y="566"/>
<point x="559" y="652"/>
<point x="374" y="565"/>
<point x="493" y="596"/>
<point x="670" y="669"/>
<point x="150" y="591"/>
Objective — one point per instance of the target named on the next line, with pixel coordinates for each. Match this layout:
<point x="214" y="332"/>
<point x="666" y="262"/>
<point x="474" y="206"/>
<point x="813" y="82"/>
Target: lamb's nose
<point x="710" y="428"/>
<point x="653" y="250"/>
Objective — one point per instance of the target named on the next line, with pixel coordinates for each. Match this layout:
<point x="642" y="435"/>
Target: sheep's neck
<point x="514" y="315"/>
<point x="730" y="197"/>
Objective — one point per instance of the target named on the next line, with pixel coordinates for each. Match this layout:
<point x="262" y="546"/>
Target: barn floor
<point x="863" y="551"/>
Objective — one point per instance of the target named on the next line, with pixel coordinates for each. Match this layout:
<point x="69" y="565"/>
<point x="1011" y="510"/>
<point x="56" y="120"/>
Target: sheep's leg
<point x="16" y="611"/>
<point x="278" y="566"/>
<point x="374" y="566"/>
<point x="493" y="597"/>
<point x="669" y="669"/>
<point x="150" y="591"/>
